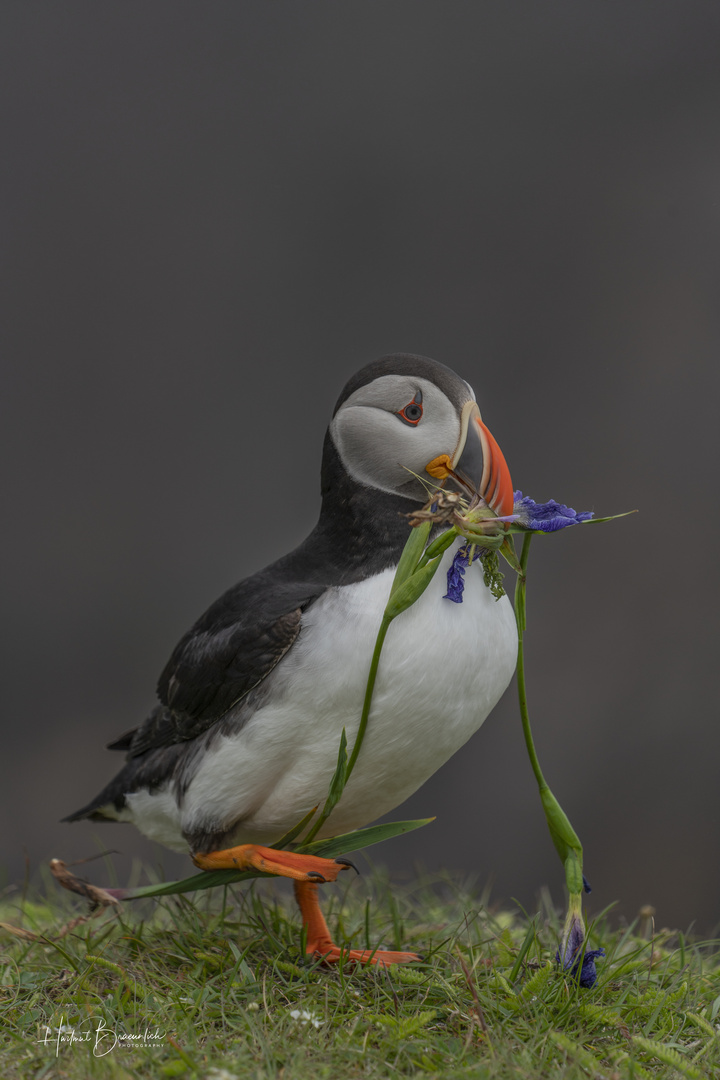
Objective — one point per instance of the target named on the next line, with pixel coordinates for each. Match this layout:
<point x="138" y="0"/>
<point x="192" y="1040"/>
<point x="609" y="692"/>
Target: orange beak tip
<point x="499" y="494"/>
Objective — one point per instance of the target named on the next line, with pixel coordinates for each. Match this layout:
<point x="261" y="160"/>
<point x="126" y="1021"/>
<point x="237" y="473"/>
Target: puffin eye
<point x="412" y="413"/>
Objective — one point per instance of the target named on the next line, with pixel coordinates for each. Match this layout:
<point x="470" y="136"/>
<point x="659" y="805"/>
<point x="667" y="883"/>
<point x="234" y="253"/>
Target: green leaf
<point x="611" y="517"/>
<point x="508" y="552"/>
<point x="410" y="557"/>
<point x="334" y="845"/>
<point x="206" y="879"/>
<point x="561" y="830"/>
<point x="337" y="784"/>
<point x="407" y="593"/>
<point x="362" y="838"/>
<point x="439" y="545"/>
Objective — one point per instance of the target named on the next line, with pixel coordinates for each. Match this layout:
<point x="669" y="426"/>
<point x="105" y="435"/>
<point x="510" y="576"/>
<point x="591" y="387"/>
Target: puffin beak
<point x="478" y="463"/>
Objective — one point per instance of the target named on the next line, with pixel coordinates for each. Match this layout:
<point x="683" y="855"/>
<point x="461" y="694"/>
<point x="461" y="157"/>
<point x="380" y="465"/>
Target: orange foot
<point x="272" y="861"/>
<point x="319" y="942"/>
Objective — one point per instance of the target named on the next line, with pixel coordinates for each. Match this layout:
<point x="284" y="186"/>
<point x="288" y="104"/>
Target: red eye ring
<point x="413" y="411"/>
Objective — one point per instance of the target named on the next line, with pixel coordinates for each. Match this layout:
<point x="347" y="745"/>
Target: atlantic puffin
<point x="253" y="700"/>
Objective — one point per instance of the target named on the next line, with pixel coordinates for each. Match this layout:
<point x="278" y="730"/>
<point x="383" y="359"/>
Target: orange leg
<point x="271" y="861"/>
<point x="319" y="942"/>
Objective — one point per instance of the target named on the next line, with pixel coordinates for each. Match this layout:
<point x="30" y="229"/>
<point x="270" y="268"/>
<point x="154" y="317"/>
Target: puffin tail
<point x="97" y="810"/>
<point x="106" y="806"/>
<point x="148" y="771"/>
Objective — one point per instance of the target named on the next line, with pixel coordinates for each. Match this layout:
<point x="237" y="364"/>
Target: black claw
<point x="313" y="875"/>
<point x="346" y="862"/>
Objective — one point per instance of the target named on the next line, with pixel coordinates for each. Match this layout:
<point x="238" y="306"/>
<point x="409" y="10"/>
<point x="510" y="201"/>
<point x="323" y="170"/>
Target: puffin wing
<point x="229" y="651"/>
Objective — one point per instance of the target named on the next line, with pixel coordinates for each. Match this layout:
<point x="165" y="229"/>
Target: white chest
<point x="443" y="668"/>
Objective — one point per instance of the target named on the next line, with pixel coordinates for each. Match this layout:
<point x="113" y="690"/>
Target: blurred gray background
<point x="212" y="215"/>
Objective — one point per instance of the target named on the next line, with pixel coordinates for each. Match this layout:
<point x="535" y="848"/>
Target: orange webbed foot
<point x="321" y="945"/>
<point x="289" y="864"/>
<point x="333" y="954"/>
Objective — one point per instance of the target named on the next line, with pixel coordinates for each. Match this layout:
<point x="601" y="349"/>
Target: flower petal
<point x="588" y="974"/>
<point x="456" y="575"/>
<point x="573" y="941"/>
<point x="574" y="960"/>
<point x="546" y="517"/>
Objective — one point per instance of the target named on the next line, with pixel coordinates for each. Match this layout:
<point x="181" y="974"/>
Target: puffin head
<point x="402" y="417"/>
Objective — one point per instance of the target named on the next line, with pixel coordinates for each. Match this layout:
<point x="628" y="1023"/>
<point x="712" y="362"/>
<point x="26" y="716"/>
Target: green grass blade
<point x="523" y="951"/>
<point x="610" y="517"/>
<point x="334" y="845"/>
<point x="337" y="784"/>
<point x="362" y="838"/>
<point x="206" y="879"/>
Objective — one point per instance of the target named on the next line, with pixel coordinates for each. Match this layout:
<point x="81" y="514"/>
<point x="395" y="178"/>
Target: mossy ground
<point x="221" y="979"/>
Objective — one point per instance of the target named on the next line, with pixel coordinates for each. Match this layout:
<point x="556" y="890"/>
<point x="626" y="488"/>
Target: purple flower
<point x="456" y="575"/>
<point x="545" y="517"/>
<point x="574" y="960"/>
<point x="587" y="972"/>
<point x="573" y="939"/>
<point x="583" y="966"/>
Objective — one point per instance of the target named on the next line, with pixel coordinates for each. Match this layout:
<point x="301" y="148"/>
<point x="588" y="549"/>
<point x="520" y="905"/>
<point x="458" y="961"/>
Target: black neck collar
<point x="361" y="530"/>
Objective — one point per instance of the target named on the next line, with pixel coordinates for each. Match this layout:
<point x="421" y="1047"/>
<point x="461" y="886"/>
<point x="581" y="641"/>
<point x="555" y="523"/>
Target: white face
<point x="380" y="440"/>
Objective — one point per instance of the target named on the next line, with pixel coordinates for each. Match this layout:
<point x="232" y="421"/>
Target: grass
<point x="220" y="977"/>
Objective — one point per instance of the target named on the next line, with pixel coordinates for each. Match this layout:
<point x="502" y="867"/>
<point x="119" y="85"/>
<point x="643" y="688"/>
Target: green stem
<point x="413" y="575"/>
<point x="522" y="692"/>
<point x="379" y="641"/>
<point x="564" y="837"/>
<point x="327" y="810"/>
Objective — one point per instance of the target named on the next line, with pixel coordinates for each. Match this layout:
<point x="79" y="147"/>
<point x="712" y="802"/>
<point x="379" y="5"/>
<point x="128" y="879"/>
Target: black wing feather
<point x="228" y="652"/>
